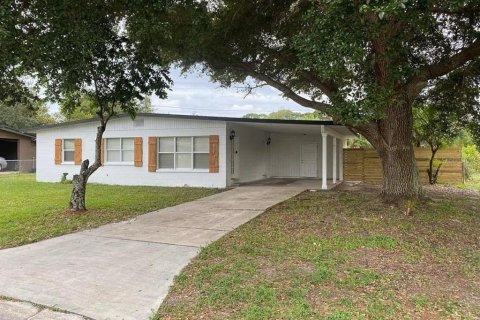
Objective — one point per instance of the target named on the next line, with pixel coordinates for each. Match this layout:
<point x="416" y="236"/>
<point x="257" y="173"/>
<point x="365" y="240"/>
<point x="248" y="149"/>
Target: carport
<point x="283" y="149"/>
<point x="9" y="149"/>
<point x="18" y="148"/>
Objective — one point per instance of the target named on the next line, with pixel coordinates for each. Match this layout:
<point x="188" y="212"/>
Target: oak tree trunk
<point x="392" y="138"/>
<point x="400" y="174"/>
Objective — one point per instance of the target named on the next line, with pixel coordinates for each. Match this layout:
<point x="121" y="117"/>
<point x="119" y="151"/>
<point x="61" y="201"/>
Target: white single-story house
<point x="199" y="151"/>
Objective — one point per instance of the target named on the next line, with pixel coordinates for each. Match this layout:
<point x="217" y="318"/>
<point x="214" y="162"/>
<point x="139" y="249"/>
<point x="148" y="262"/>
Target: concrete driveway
<point x="124" y="270"/>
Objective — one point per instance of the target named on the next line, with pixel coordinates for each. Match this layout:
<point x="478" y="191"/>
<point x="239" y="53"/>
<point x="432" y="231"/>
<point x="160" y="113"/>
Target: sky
<point x="195" y="94"/>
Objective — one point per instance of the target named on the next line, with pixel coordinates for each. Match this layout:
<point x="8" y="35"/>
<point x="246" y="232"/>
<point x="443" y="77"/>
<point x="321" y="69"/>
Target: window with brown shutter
<point x="58" y="151"/>
<point x="213" y="155"/>
<point x="138" y="152"/>
<point x="152" y="154"/>
<point x="78" y="152"/>
<point x="183" y="153"/>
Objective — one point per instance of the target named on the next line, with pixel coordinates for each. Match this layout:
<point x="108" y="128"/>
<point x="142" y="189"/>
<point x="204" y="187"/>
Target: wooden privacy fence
<point x="364" y="165"/>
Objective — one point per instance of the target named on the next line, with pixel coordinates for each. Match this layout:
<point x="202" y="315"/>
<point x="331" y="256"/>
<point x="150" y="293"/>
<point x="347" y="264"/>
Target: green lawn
<point x="32" y="211"/>
<point x="472" y="183"/>
<point x="339" y="255"/>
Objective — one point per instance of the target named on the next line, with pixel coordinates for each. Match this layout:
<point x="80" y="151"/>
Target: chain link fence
<point x="17" y="166"/>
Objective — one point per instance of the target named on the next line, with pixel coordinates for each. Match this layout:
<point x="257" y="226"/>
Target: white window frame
<point x="121" y="162"/>
<point x="69" y="150"/>
<point x="191" y="152"/>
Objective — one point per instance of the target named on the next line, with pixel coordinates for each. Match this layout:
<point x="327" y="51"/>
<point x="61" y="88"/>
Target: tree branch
<point x="250" y="88"/>
<point x="442" y="67"/>
<point x="288" y="58"/>
<point x="286" y="90"/>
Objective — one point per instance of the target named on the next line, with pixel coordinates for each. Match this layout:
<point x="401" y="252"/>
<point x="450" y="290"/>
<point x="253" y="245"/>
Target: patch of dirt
<point x="434" y="191"/>
<point x="426" y="278"/>
<point x="443" y="191"/>
<point x="358" y="186"/>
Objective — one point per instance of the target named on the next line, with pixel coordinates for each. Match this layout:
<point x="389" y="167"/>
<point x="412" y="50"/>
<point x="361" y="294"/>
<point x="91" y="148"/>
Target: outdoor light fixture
<point x="232" y="134"/>
<point x="269" y="140"/>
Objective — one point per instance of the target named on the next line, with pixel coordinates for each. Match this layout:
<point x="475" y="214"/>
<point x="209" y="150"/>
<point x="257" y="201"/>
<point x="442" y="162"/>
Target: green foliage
<point x="19" y="115"/>
<point x="287" y="115"/>
<point x="359" y="142"/>
<point x="456" y="97"/>
<point x="12" y="57"/>
<point x="433" y="127"/>
<point x="84" y="57"/>
<point x="471" y="156"/>
<point x="87" y="108"/>
<point x="463" y="138"/>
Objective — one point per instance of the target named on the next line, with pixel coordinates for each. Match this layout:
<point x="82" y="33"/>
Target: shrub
<point x="471" y="156"/>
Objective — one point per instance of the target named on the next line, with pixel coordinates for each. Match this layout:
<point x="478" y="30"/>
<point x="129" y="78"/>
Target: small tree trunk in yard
<point x="432" y="176"/>
<point x="392" y="138"/>
<point x="79" y="182"/>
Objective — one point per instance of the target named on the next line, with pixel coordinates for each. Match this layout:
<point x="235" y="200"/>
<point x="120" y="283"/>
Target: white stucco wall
<point x="47" y="171"/>
<point x="251" y="153"/>
<point x="285" y="154"/>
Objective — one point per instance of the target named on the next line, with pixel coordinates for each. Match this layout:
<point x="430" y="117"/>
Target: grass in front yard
<point x="338" y="255"/>
<point x="472" y="183"/>
<point x="32" y="211"/>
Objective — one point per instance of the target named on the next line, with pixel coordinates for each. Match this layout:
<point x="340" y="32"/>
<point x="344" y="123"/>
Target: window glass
<point x="127" y="155"/>
<point x="166" y="144"/>
<point x="165" y="161"/>
<point x="68" y="156"/>
<point x="183" y="160"/>
<point x="200" y="161"/>
<point x="200" y="144"/>
<point x="127" y="144"/>
<point x="68" y="144"/>
<point x="113" y="144"/>
<point x="183" y="153"/>
<point x="184" y="144"/>
<point x="119" y="149"/>
<point x="113" y="156"/>
<point x="68" y="150"/>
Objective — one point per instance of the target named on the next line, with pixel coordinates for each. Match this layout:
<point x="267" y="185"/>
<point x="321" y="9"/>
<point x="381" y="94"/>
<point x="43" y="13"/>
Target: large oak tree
<point x="364" y="63"/>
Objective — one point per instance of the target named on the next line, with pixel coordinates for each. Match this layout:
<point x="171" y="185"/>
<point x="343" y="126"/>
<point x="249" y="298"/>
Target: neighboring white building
<point x="199" y="151"/>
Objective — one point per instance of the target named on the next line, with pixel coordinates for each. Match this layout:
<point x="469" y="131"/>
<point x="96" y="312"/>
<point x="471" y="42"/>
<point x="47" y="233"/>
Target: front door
<point x="235" y="158"/>
<point x="308" y="166"/>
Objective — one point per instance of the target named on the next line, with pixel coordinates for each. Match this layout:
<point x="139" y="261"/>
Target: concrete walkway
<point x="124" y="270"/>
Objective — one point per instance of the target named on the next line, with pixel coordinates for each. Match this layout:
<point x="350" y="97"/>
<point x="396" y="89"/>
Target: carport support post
<point x="334" y="166"/>
<point x="324" y="161"/>
<point x="340" y="161"/>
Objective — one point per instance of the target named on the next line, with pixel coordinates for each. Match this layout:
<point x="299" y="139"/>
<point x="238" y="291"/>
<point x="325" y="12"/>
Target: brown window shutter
<point x="213" y="158"/>
<point x="77" y="154"/>
<point x="58" y="151"/>
<point x="102" y="152"/>
<point x="138" y="151"/>
<point x="152" y="154"/>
